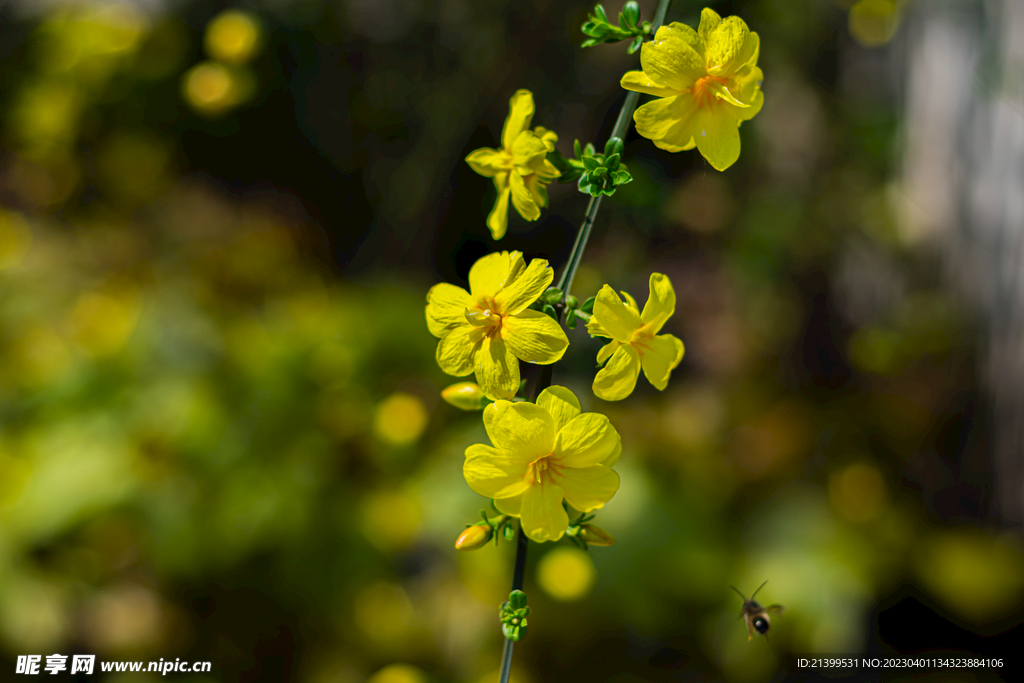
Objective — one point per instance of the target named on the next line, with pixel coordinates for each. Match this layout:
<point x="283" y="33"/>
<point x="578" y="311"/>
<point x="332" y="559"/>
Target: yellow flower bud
<point x="595" y="535"/>
<point x="464" y="395"/>
<point x="474" y="537"/>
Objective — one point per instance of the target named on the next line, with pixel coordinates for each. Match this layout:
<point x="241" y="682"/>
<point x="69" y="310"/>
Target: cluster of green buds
<point x="601" y="31"/>
<point x="585" y="535"/>
<point x="554" y="297"/>
<point x="597" y="173"/>
<point x="478" y="535"/>
<point x="513" y="616"/>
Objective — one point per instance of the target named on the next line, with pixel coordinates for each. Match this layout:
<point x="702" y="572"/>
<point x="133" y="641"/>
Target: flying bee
<point x="756" y="615"/>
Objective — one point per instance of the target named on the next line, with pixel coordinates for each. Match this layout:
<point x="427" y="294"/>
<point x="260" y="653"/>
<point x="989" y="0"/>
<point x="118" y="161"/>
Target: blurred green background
<point x="220" y="429"/>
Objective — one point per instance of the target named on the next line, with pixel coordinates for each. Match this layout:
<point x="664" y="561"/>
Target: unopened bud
<point x="595" y="535"/>
<point x="464" y="396"/>
<point x="474" y="537"/>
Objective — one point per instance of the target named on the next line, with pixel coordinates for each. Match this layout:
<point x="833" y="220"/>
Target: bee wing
<point x="775" y="609"/>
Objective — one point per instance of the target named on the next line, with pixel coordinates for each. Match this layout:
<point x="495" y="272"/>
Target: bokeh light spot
<point x="15" y="238"/>
<point x="566" y="574"/>
<point x="390" y="519"/>
<point x="980" y="578"/>
<point x="398" y="673"/>
<point x="400" y="419"/>
<point x="383" y="612"/>
<point x="233" y="37"/>
<point x="858" y="492"/>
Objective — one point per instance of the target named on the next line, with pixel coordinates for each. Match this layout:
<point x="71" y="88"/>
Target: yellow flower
<point x="545" y="452"/>
<point x="520" y="168"/>
<point x="708" y="82"/>
<point x="489" y="330"/>
<point x="635" y="341"/>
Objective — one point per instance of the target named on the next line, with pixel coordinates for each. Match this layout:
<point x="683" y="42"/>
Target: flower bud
<point x="595" y="535"/>
<point x="464" y="396"/>
<point x="475" y="537"/>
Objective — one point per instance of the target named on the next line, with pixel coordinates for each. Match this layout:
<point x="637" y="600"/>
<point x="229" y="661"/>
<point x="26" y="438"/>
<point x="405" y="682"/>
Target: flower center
<point x="641" y="341"/>
<point x="544" y="469"/>
<point x="486" y="314"/>
<point x="703" y="94"/>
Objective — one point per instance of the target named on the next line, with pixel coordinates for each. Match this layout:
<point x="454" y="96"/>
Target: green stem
<point x="619" y="131"/>
<point x="517" y="585"/>
<point x="543" y="379"/>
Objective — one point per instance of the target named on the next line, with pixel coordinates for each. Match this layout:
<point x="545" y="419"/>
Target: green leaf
<point x="587" y="151"/>
<point x="570" y="320"/>
<point x="588" y="305"/>
<point x="631" y="12"/>
<point x="613" y="146"/>
<point x="590" y="163"/>
<point x="550" y="312"/>
<point x="636" y="44"/>
<point x="577" y="150"/>
<point x="572" y="302"/>
<point x="612" y="162"/>
<point x="622" y="177"/>
<point x="591" y="29"/>
<point x="517" y="598"/>
<point x="599" y="13"/>
<point x="590" y="43"/>
<point x="552" y="295"/>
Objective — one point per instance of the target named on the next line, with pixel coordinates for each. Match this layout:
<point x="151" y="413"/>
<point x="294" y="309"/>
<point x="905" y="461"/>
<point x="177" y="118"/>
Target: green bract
<point x="601" y="31"/>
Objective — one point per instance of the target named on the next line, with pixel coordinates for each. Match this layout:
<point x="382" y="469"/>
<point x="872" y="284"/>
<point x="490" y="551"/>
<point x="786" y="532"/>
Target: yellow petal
<point x="542" y="515"/>
<point x="523" y="431"/>
<point x="728" y="46"/>
<point x="538" y="189"/>
<point x="534" y="337"/>
<point x="722" y="93"/>
<point x="689" y="36"/>
<point x="491" y="412"/>
<point x="589" y="488"/>
<point x="748" y="89"/>
<point x="613" y="459"/>
<point x="522" y="199"/>
<point x="456" y="349"/>
<point x="489" y="274"/>
<point x="639" y="82"/>
<point x="509" y="506"/>
<point x="679" y="135"/>
<point x="561" y="403"/>
<point x="615" y="317"/>
<point x="630" y="301"/>
<point x="709" y="19"/>
<point x="656" y="118"/>
<point x="529" y="152"/>
<point x="616" y="380"/>
<point x="445" y="308"/>
<point x="492" y="473"/>
<point x="661" y="303"/>
<point x="586" y="440"/>
<point x="659" y="357"/>
<point x="606" y="351"/>
<point x="673" y="144"/>
<point x="670" y="62"/>
<point x="488" y="162"/>
<point x="718" y="138"/>
<point x="526" y="288"/>
<point x="520" y="112"/>
<point x="548" y="136"/>
<point x="497" y="370"/>
<point x="497" y="220"/>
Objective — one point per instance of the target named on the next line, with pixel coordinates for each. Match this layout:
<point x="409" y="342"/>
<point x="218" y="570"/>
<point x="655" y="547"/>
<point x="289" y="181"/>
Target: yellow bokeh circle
<point x="233" y="37"/>
<point x="566" y="574"/>
<point x="400" y="419"/>
<point x="398" y="673"/>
